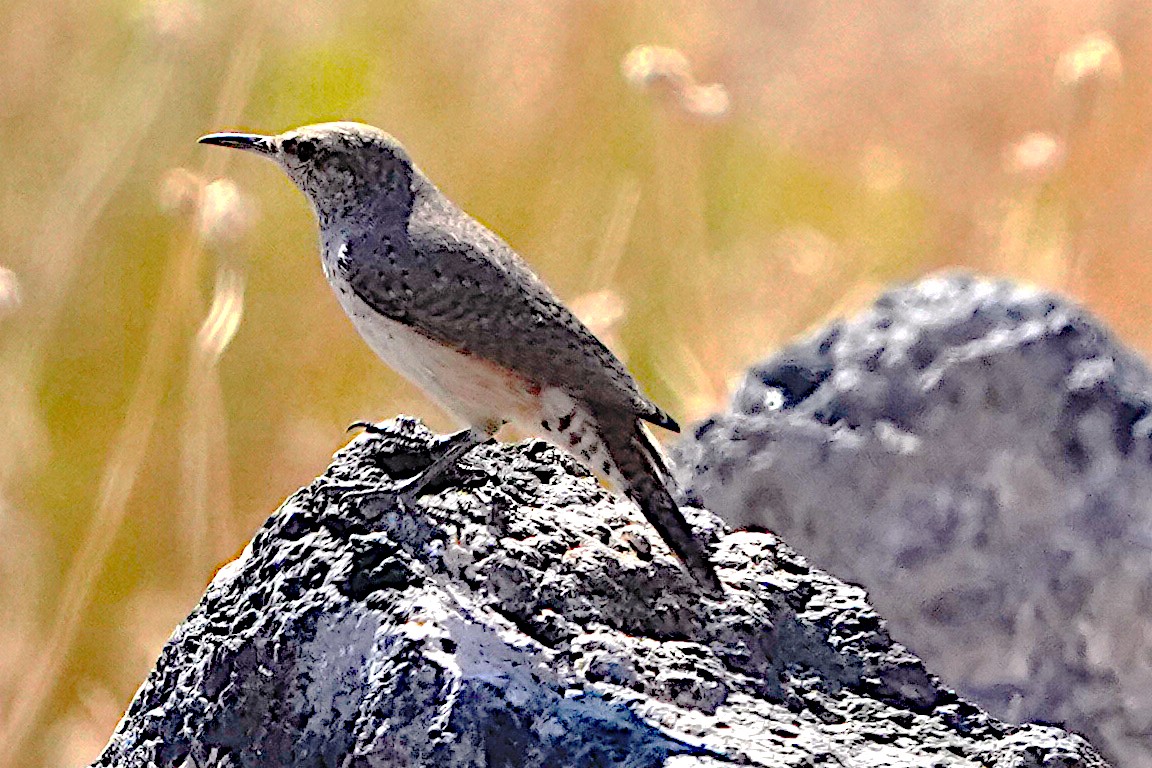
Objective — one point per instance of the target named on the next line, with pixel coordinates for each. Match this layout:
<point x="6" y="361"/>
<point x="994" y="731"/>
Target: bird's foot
<point x="451" y="448"/>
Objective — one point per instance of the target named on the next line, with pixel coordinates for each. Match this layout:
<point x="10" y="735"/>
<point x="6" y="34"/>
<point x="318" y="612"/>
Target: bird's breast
<point x="477" y="391"/>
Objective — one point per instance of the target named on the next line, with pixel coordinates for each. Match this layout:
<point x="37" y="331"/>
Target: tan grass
<point x="777" y="167"/>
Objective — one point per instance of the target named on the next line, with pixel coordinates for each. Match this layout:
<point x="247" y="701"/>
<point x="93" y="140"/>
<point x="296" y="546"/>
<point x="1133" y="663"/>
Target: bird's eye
<point x="303" y="149"/>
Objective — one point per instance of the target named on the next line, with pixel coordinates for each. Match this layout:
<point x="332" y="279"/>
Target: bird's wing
<point x="463" y="286"/>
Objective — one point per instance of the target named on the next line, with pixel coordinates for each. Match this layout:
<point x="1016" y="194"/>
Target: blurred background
<point x="702" y="181"/>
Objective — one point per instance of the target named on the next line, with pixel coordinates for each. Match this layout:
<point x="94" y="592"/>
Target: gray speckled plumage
<point x="450" y="305"/>
<point x="455" y="281"/>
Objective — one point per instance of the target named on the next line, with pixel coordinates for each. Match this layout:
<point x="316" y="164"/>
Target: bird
<point x="453" y="308"/>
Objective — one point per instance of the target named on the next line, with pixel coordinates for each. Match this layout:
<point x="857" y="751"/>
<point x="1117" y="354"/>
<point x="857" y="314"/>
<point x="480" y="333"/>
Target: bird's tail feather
<point x="644" y="471"/>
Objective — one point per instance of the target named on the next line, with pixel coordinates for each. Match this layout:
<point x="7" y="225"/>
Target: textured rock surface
<point x="977" y="456"/>
<point x="522" y="616"/>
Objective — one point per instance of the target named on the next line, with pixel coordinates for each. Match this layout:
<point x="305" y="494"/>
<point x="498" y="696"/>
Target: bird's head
<point x="344" y="168"/>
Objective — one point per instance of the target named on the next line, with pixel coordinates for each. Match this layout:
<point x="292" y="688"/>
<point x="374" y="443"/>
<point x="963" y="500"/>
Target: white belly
<point x="479" y="393"/>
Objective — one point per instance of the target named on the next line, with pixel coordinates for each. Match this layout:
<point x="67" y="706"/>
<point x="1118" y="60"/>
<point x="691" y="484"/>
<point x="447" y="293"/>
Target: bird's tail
<point x="644" y="476"/>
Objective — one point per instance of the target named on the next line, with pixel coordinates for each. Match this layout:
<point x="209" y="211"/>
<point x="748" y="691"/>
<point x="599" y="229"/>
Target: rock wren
<point x="449" y="305"/>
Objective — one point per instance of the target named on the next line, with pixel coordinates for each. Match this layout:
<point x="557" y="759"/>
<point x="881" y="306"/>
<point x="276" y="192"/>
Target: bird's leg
<point x="453" y="447"/>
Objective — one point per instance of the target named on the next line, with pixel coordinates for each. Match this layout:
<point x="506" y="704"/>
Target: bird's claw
<point x="451" y="448"/>
<point x="366" y="426"/>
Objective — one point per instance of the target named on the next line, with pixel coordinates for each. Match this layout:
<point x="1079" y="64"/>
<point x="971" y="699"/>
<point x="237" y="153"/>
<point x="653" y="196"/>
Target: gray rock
<point x="523" y="616"/>
<point x="976" y="455"/>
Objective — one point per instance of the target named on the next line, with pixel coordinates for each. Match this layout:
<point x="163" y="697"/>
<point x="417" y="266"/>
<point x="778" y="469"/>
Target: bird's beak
<point x="252" y="142"/>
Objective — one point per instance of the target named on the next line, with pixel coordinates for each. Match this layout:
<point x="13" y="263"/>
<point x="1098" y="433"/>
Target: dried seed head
<point x="1035" y="156"/>
<point x="1088" y="74"/>
<point x="654" y="66"/>
<point x="666" y="72"/>
<point x="226" y="214"/>
<point x="1095" y="57"/>
<point x="708" y="101"/>
<point x="180" y="191"/>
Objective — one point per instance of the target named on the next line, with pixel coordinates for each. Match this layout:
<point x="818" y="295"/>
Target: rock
<point x="977" y="456"/>
<point x="523" y="616"/>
